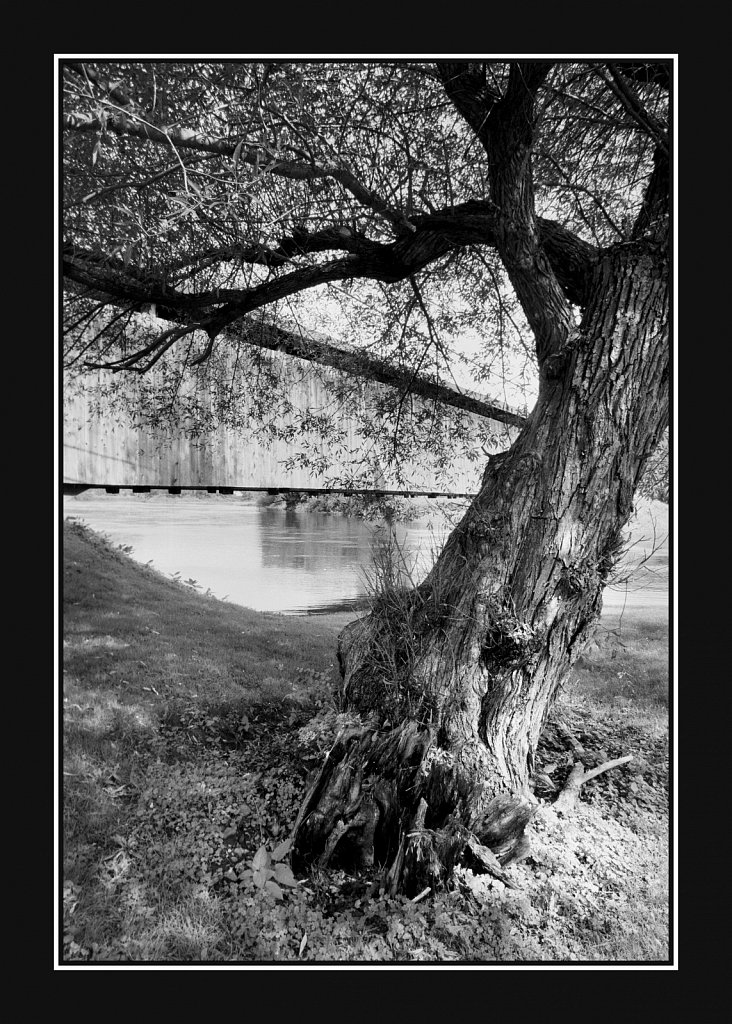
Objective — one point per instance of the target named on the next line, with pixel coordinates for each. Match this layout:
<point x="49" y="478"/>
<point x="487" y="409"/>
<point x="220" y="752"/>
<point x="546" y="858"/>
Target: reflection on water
<point x="273" y="559"/>
<point x="269" y="559"/>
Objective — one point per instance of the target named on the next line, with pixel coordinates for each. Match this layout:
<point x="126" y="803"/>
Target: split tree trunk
<point x="453" y="681"/>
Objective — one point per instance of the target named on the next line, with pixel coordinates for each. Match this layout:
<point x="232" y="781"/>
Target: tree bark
<point x="453" y="680"/>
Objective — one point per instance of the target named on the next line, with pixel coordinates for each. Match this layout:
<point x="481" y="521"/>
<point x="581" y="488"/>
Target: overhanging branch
<point x="358" y="364"/>
<point x="347" y="361"/>
<point x="471" y="223"/>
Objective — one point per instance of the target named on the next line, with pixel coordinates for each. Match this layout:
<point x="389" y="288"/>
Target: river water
<point x="296" y="562"/>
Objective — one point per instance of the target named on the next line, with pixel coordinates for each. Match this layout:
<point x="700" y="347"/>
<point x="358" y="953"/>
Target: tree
<point x="535" y="195"/>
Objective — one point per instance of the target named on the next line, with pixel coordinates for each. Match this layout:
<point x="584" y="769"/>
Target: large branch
<point x="348" y="361"/>
<point x="299" y="242"/>
<point x="505" y="126"/>
<point x="130" y="285"/>
<point x="472" y="97"/>
<point x="215" y="311"/>
<point x="472" y="223"/>
<point x="476" y="223"/>
<point x="222" y="306"/>
<point x="360" y="365"/>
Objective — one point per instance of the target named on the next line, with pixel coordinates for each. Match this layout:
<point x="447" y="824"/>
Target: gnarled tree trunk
<point x="453" y="681"/>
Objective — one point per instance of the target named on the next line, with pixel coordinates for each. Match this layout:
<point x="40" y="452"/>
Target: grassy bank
<point x="190" y="730"/>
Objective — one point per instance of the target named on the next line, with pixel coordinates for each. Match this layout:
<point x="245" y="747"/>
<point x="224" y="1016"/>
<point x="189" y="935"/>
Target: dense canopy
<point x="356" y="204"/>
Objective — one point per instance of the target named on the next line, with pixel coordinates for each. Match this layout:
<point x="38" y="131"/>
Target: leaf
<point x="237" y="153"/>
<point x="261" y="877"/>
<point x="282" y="849"/>
<point x="96" y="151"/>
<point x="303" y="943"/>
<point x="261" y="858"/>
<point x="274" y="888"/>
<point x="284" y="875"/>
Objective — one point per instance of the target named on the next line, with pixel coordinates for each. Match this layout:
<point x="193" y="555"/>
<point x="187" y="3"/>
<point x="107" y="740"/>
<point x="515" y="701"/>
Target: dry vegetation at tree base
<point x="190" y="729"/>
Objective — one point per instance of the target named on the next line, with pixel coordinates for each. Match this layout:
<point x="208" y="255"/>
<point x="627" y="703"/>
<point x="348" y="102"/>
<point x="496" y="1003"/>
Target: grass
<point x="628" y="661"/>
<point x="190" y="730"/>
<point x="126" y="630"/>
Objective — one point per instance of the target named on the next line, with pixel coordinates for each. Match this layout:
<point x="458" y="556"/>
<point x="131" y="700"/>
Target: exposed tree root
<point x="392" y="800"/>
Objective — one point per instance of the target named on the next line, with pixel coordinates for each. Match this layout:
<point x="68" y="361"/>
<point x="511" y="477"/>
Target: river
<point x="296" y="562"/>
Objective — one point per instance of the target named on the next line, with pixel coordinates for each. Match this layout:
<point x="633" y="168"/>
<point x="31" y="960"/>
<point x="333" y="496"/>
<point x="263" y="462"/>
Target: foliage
<point x="207" y="202"/>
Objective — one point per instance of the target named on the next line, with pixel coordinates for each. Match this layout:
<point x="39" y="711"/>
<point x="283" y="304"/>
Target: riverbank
<point x="191" y="728"/>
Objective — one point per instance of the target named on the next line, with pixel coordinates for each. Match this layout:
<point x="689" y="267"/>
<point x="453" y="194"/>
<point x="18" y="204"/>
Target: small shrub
<point x="267" y="871"/>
